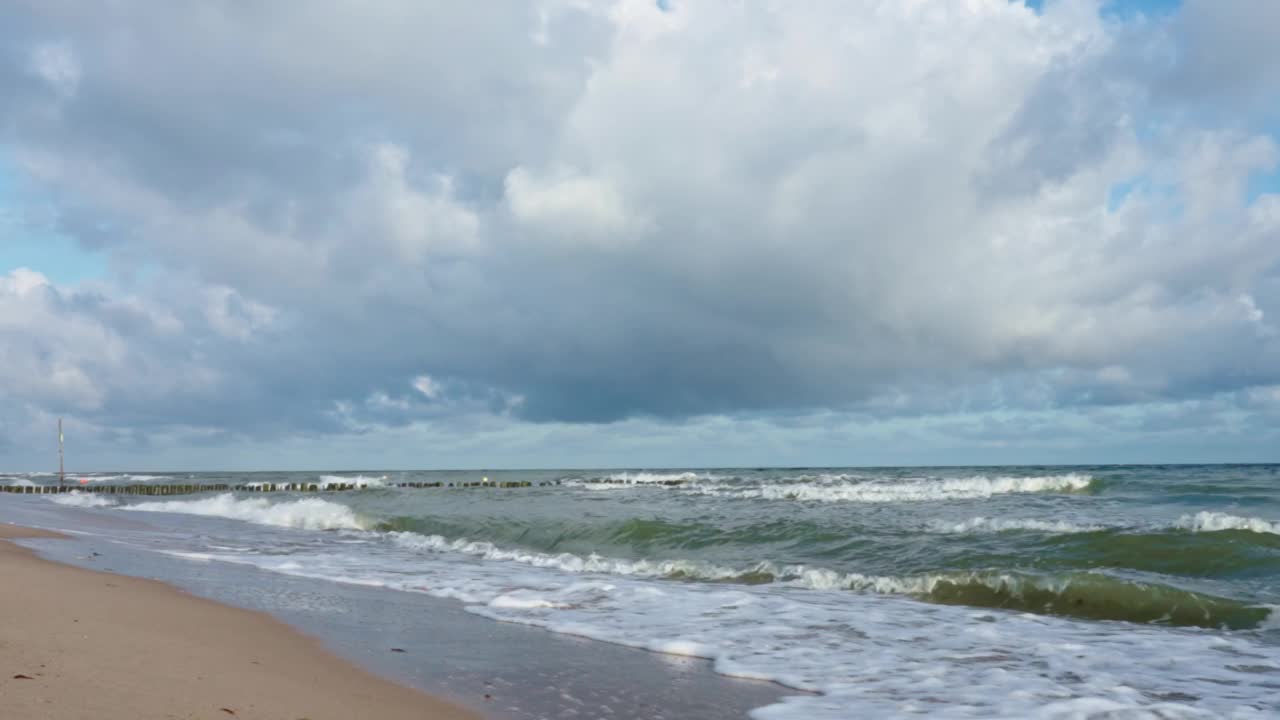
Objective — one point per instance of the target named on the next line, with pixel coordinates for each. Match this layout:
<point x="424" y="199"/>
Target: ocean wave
<point x="75" y="498"/>
<point x="123" y="477"/>
<point x="24" y="479"/>
<point x="968" y="488"/>
<point x="840" y="487"/>
<point x="625" y="479"/>
<point x="1084" y="595"/>
<point x="305" y="514"/>
<point x="1087" y="595"/>
<point x="1095" y="596"/>
<point x="1204" y="522"/>
<point x="827" y="477"/>
<point x="364" y="481"/>
<point x="1219" y="522"/>
<point x="984" y="662"/>
<point x="641" y="478"/>
<point x="998" y="525"/>
<point x="567" y="562"/>
<point x="325" y="481"/>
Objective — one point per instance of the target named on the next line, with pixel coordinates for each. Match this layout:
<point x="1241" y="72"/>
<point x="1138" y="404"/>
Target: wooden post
<point x="62" y="475"/>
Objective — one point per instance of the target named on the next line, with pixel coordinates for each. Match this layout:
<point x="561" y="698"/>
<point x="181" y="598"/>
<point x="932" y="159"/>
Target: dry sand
<point x="98" y="646"/>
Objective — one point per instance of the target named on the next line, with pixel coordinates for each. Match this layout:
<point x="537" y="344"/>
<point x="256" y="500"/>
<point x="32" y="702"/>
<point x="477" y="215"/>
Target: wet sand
<point x="76" y="643"/>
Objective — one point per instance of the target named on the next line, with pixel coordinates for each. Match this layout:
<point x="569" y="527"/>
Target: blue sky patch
<point x="33" y="244"/>
<point x="1125" y="8"/>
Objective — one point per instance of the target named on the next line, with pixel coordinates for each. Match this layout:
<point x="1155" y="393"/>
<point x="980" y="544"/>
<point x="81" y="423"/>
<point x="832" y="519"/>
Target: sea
<point x="959" y="592"/>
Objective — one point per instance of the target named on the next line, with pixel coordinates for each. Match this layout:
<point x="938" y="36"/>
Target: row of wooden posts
<point x="170" y="489"/>
<point x="625" y="481"/>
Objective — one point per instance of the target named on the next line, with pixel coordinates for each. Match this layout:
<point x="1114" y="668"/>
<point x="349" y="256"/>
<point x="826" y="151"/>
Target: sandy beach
<point x="76" y="643"/>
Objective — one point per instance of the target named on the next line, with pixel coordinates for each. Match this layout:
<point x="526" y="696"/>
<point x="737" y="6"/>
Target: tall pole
<point x="62" y="474"/>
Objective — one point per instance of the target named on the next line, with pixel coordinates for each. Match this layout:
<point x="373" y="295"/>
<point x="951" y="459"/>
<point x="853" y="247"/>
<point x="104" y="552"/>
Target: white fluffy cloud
<point x="414" y="223"/>
<point x="613" y="209"/>
<point x="80" y="353"/>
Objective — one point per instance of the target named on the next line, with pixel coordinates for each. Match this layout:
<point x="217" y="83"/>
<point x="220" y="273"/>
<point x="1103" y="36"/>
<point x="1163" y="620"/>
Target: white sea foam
<point x="324" y="481"/>
<point x="20" y="482"/>
<point x="1199" y="522"/>
<point x="799" y="576"/>
<point x="869" y="655"/>
<point x="357" y="480"/>
<point x="568" y="562"/>
<point x="843" y="477"/>
<point x="203" y="557"/>
<point x="980" y="525"/>
<point x="621" y="480"/>
<point x="307" y="514"/>
<point x="684" y="648"/>
<point x="831" y="490"/>
<point x="123" y="477"/>
<point x="793" y="576"/>
<point x="22" y="478"/>
<point x="1272" y="624"/>
<point x="841" y="487"/>
<point x="75" y="498"/>
<point x="640" y="478"/>
<point x="521" y="600"/>
<point x="1219" y="521"/>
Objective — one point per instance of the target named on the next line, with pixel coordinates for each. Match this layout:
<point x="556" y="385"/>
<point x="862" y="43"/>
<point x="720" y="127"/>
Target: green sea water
<point x="1001" y="592"/>
<point x="1173" y="545"/>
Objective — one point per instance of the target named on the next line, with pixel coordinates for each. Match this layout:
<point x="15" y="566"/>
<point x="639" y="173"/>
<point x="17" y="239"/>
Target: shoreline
<point x="502" y="670"/>
<point x="80" y="643"/>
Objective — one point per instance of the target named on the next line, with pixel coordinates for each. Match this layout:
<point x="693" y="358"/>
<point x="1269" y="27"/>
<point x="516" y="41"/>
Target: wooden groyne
<point x="671" y="482"/>
<point x="191" y="489"/>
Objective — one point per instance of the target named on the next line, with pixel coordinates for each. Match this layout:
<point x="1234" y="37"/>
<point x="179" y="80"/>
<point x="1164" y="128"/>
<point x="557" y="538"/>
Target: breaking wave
<point x="305" y="514"/>
<point x="1220" y="522"/>
<point x="75" y="498"/>
<point x="1093" y="596"/>
<point x="969" y="488"/>
<point x="839" y="487"/>
<point x="642" y="478"/>
<point x="569" y="562"/>
<point x="1201" y="522"/>
<point x="620" y="480"/>
<point x="997" y="525"/>
<point x="326" y="481"/>
<point x="357" y="480"/>
<point x="1082" y="595"/>
<point x="121" y="477"/>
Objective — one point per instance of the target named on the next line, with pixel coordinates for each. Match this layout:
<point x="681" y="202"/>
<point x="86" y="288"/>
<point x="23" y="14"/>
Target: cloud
<point x="414" y="223"/>
<point x="429" y="388"/>
<point x="57" y="65"/>
<point x="83" y="352"/>
<point x="604" y="211"/>
<point x="233" y="316"/>
<point x="569" y="204"/>
<point x="1227" y="54"/>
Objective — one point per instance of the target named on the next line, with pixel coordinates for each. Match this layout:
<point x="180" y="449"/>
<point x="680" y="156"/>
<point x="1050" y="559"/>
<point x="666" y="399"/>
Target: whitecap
<point x="75" y="498"/>
<point x="306" y="514"/>
<point x="1219" y="521"/>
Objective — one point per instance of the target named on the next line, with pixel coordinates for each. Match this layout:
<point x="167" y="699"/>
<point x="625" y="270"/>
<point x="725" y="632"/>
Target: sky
<point x="623" y="233"/>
